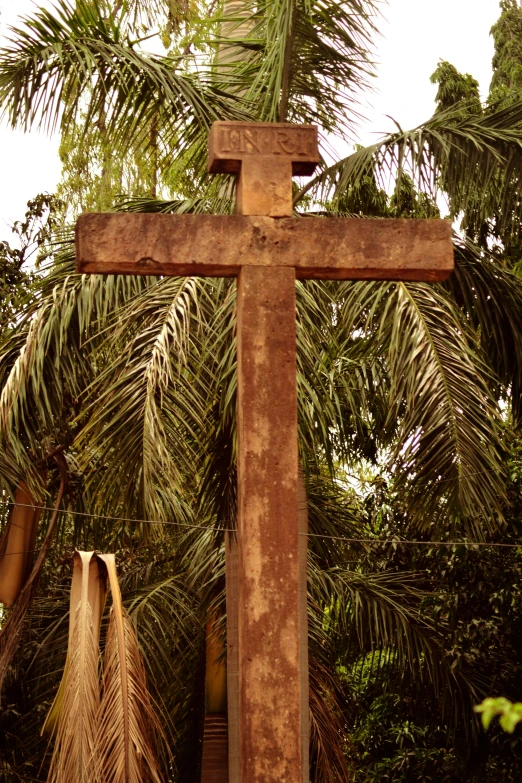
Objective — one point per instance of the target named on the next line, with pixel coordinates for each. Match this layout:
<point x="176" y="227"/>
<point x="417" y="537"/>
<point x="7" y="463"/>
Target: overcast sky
<point x="415" y="35"/>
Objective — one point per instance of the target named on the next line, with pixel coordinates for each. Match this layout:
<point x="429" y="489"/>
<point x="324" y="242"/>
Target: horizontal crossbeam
<point x="220" y="245"/>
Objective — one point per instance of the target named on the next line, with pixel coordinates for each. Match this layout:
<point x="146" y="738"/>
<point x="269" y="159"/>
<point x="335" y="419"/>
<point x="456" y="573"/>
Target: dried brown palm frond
<point x="74" y="714"/>
<point x="127" y="725"/>
<point x="10" y="633"/>
<point x="17" y="544"/>
<point x="86" y="568"/>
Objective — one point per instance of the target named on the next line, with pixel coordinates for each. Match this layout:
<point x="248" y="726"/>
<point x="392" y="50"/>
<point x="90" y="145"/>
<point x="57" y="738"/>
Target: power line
<point x="385" y="541"/>
<point x="403" y="542"/>
<point x="200" y="527"/>
<point x="118" y="519"/>
<point x="430" y="483"/>
<point x="346" y="539"/>
<point x="220" y="529"/>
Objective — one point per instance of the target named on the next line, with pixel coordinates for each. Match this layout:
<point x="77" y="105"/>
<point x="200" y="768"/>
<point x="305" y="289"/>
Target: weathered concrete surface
<point x="230" y="144"/>
<point x="302" y="505"/>
<point x="269" y="619"/>
<point x="232" y="599"/>
<point x="219" y="245"/>
<point x="265" y="188"/>
<point x="265" y="155"/>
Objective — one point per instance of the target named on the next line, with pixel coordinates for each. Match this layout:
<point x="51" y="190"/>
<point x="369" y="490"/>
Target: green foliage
<point x="455" y="89"/>
<point x="93" y="177"/>
<point x="393" y="747"/>
<point x="304" y="61"/>
<point x="400" y="733"/>
<point x="510" y="715"/>
<point x="407" y="202"/>
<point x="42" y="219"/>
<point x="365" y="198"/>
<point x="507" y="61"/>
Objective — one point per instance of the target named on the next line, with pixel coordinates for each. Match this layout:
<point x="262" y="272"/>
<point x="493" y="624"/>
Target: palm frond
<point x="332" y="376"/>
<point x="476" y="159"/>
<point x="136" y="399"/>
<point x="299" y="60"/>
<point x="44" y="363"/>
<point x="491" y="298"/>
<point x="59" y="60"/>
<point x="88" y="585"/>
<point x="127" y="723"/>
<point x="373" y="614"/>
<point x="141" y="15"/>
<point x="442" y="418"/>
<point x="328" y="734"/>
<point x="73" y="717"/>
<point x="165" y="615"/>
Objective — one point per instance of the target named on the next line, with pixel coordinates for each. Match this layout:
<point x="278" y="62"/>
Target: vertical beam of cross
<point x="272" y="625"/>
<point x="269" y="633"/>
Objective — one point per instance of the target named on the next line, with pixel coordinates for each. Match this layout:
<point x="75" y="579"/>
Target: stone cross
<point x="267" y="249"/>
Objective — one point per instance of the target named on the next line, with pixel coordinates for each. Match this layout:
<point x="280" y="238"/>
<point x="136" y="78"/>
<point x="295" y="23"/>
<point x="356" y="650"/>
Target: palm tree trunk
<point x="17" y="545"/>
<point x="232" y="587"/>
<point x="234" y="29"/>
<point x="214" y="765"/>
<point x="11" y="630"/>
<point x="285" y="87"/>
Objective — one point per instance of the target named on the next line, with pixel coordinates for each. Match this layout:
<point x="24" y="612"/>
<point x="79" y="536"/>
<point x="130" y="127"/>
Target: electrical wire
<point x="403" y="542"/>
<point x="118" y="519"/>
<point x="347" y="539"/>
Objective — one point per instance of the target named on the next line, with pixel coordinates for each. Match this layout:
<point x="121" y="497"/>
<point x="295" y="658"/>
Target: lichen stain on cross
<point x="267" y="249"/>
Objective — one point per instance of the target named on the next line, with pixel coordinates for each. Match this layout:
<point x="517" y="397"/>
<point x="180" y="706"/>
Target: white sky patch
<point x="415" y="35"/>
<point x="29" y="162"/>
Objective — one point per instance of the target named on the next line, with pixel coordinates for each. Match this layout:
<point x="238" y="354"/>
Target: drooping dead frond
<point x="127" y="725"/>
<point x="10" y="633"/>
<point x="74" y="715"/>
<point x="85" y="567"/>
<point x="17" y="545"/>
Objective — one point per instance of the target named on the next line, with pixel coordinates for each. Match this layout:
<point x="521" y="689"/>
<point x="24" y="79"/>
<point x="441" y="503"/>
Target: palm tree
<point x="133" y="380"/>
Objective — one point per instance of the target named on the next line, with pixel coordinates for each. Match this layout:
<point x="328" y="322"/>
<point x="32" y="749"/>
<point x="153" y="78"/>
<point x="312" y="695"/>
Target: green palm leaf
<point x="443" y="425"/>
<point x="476" y="159"/>
<point x="491" y="297"/>
<point x="80" y="58"/>
<point x="301" y="60"/>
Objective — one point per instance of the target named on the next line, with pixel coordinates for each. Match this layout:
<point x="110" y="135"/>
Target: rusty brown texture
<point x="269" y="632"/>
<point x="264" y="187"/>
<point x="232" y="143"/>
<point x="219" y="245"/>
<point x="232" y="598"/>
